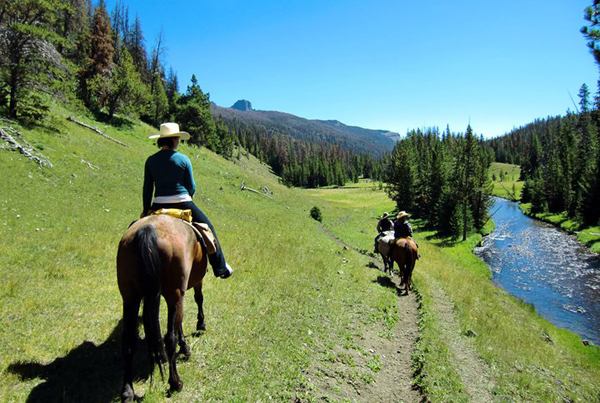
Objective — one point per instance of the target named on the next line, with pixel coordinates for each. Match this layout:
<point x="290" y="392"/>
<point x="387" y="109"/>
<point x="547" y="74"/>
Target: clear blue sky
<point x="390" y="65"/>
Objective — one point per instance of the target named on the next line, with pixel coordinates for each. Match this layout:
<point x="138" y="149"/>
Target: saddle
<point x="204" y="235"/>
<point x="395" y="240"/>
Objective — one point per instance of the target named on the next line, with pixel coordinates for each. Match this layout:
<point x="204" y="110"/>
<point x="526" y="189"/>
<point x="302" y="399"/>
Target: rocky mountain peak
<point x="242" y="105"/>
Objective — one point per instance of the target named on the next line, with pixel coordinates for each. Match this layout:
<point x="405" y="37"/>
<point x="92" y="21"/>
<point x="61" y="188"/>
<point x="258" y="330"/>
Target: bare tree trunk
<point x="14" y="87"/>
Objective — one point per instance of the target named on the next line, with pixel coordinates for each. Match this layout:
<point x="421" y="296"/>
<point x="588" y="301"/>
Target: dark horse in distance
<point x="405" y="253"/>
<point x="158" y="255"/>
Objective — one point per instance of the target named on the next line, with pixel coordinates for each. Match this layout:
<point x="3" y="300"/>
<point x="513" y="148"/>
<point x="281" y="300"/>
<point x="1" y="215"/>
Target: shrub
<point x="315" y="213"/>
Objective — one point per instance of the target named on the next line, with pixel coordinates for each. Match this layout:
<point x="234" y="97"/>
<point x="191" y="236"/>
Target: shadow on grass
<point x="372" y="265"/>
<point x="593" y="244"/>
<point x="116" y="121"/>
<point x="443" y="241"/>
<point x="387" y="282"/>
<point x="88" y="373"/>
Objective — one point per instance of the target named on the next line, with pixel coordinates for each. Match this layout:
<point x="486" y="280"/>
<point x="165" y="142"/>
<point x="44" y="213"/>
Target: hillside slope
<point x="302" y="319"/>
<point x="283" y="310"/>
<point x="353" y="138"/>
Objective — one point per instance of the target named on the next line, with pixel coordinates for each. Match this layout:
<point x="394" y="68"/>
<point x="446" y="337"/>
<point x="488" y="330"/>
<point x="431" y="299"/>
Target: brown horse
<point x="158" y="255"/>
<point x="405" y="254"/>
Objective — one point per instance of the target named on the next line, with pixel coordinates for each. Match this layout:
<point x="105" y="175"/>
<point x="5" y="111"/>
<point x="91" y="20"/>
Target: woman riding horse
<point x="158" y="256"/>
<point x="168" y="174"/>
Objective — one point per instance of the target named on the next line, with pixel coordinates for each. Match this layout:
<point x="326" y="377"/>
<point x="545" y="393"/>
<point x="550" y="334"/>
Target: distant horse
<point x="158" y="255"/>
<point x="405" y="254"/>
<point x="383" y="247"/>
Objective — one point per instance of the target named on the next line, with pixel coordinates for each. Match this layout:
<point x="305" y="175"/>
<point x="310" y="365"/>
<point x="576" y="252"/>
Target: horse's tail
<point x="410" y="256"/>
<point x="147" y="243"/>
<point x="408" y="252"/>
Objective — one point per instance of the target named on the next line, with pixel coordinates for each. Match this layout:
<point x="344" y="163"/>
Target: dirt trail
<point x="394" y="381"/>
<point x="472" y="370"/>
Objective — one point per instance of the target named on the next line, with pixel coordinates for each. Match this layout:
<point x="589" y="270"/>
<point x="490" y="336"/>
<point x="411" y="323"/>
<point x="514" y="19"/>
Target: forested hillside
<point x="443" y="179"/>
<point x="560" y="156"/>
<point x="560" y="161"/>
<point x="351" y="138"/>
<point x="98" y="62"/>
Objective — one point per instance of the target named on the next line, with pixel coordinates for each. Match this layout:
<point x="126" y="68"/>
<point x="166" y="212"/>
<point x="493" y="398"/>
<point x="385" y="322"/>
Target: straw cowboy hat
<point x="385" y="215"/>
<point x="170" y="130"/>
<point x="402" y="214"/>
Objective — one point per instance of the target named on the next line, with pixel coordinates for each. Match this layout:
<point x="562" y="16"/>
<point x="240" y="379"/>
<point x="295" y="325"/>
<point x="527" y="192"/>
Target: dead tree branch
<point x="89" y="164"/>
<point x="511" y="194"/>
<point x="95" y="129"/>
<point x="244" y="187"/>
<point x="25" y="149"/>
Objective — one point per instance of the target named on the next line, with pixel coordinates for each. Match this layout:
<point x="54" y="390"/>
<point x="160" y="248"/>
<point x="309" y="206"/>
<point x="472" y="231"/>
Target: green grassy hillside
<point x="283" y="309"/>
<point x="505" y="179"/>
<point x="297" y="299"/>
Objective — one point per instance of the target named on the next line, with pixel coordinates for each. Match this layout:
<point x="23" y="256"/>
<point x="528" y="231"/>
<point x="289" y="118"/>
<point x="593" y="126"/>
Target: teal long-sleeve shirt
<point x="167" y="173"/>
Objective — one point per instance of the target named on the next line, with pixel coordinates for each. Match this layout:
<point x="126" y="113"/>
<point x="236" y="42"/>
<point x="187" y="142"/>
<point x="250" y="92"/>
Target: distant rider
<point x="402" y="228"/>
<point x="385" y="224"/>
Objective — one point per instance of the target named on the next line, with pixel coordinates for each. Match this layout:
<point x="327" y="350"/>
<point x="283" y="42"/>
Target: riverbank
<point x="506" y="184"/>
<point x="512" y="353"/>
<point x="589" y="236"/>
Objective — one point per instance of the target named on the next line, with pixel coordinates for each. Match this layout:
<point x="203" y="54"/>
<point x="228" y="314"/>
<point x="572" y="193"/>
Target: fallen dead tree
<point x="89" y="164"/>
<point x="95" y="129"/>
<point x="26" y="149"/>
<point x="265" y="190"/>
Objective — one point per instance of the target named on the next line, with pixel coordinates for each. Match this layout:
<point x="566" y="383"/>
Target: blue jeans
<point x="217" y="260"/>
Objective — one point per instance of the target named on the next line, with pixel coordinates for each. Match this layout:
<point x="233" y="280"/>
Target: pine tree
<point x="586" y="170"/>
<point x="26" y="52"/>
<point x="136" y="46"/>
<point x="584" y="98"/>
<point x="100" y="60"/>
<point x="467" y="169"/>
<point x="122" y="90"/>
<point x="591" y="32"/>
<point x="194" y="115"/>
<point x="402" y="177"/>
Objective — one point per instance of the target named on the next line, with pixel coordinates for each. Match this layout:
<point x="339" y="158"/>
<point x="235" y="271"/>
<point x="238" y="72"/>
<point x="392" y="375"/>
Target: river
<point x="546" y="267"/>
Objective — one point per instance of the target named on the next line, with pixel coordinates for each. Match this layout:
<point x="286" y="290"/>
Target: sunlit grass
<point x="284" y="307"/>
<point x="295" y="298"/>
<point x="505" y="180"/>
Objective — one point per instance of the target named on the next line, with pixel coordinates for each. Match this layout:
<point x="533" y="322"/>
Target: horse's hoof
<point x="184" y="353"/>
<point x="127" y="395"/>
<point x="176" y="386"/>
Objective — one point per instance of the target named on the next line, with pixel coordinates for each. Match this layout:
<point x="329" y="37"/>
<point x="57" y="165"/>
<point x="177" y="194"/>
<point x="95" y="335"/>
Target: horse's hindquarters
<point x="384" y="243"/>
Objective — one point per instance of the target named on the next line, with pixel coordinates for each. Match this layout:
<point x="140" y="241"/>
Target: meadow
<point x="285" y="307"/>
<point x="508" y="343"/>
<point x="297" y="299"/>
<point x="505" y="181"/>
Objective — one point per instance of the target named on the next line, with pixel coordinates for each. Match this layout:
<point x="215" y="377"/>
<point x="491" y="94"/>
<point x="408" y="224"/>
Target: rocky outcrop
<point x="242" y="105"/>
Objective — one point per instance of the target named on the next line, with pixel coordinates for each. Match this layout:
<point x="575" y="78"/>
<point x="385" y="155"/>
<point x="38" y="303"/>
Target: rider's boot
<point x="220" y="268"/>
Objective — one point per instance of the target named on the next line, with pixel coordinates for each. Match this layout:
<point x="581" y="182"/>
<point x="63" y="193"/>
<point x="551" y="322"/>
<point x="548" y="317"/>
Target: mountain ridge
<point x="352" y="138"/>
